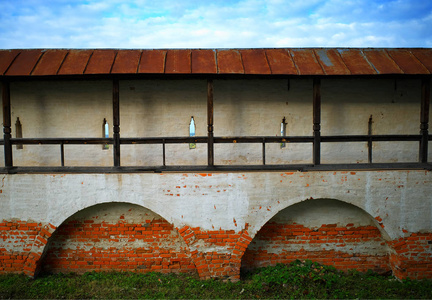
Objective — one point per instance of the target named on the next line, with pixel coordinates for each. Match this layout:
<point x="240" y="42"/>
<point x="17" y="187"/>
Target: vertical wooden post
<point x="163" y="153"/>
<point x="370" y="139"/>
<point x="116" y="122"/>
<point x="317" y="121"/>
<point x="7" y="124"/>
<point x="62" y="154"/>
<point x="210" y="144"/>
<point x="424" y="119"/>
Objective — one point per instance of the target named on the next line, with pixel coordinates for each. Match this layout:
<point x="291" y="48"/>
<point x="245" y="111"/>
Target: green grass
<point x="297" y="280"/>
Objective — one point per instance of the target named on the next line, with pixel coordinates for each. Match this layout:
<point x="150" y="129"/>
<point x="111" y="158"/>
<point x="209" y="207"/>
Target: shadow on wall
<point x="330" y="232"/>
<point x="116" y="236"/>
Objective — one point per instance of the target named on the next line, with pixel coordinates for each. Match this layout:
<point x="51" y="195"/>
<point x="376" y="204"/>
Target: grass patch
<point x="296" y="280"/>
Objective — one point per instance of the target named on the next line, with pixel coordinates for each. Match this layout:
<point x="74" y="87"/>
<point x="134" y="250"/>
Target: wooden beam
<point x="317" y="121"/>
<point x="116" y="122"/>
<point x="424" y="119"/>
<point x="370" y="140"/>
<point x="221" y="168"/>
<point x="7" y="124"/>
<point x="62" y="161"/>
<point x="210" y="144"/>
<point x="222" y="140"/>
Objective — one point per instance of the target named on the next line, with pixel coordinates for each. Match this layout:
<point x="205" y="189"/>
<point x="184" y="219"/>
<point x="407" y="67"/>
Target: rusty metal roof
<point x="279" y="61"/>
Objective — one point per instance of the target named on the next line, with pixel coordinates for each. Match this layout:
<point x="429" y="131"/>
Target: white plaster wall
<point x="402" y="199"/>
<point x="347" y="105"/>
<point x="241" y="107"/>
<point x="256" y="108"/>
<point x="49" y="109"/>
<point x="2" y="162"/>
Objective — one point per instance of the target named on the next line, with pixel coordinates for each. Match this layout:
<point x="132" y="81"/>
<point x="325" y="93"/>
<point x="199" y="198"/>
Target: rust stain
<point x="178" y="62"/>
<point x="407" y="62"/>
<point x="306" y="62"/>
<point x="24" y="63"/>
<point x="381" y="61"/>
<point x="6" y="58"/>
<point x="356" y="62"/>
<point x="280" y="62"/>
<point x="229" y="62"/>
<point x="300" y="61"/>
<point x="331" y="62"/>
<point x="75" y="62"/>
<point x="126" y="62"/>
<point x="101" y="62"/>
<point x="424" y="56"/>
<point x="152" y="61"/>
<point x="204" y="62"/>
<point x="50" y="62"/>
<point x="255" y="61"/>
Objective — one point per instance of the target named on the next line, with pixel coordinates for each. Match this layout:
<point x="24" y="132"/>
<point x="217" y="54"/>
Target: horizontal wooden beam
<point x="59" y="141"/>
<point x="374" y="138"/>
<point x="268" y="139"/>
<point x="222" y="140"/>
<point x="221" y="168"/>
<point x="166" y="140"/>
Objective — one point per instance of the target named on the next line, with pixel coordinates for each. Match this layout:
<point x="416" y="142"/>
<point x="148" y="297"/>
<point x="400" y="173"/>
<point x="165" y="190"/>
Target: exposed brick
<point x="285" y="238"/>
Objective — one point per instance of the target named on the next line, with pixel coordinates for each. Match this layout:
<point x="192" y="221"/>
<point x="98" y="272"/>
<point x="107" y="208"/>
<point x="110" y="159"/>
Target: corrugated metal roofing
<point x="299" y="61"/>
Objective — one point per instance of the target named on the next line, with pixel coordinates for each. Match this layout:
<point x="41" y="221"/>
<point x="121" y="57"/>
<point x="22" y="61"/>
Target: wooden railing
<point x="163" y="141"/>
<point x="316" y="140"/>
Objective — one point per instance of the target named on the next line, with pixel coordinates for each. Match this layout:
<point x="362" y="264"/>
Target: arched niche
<point x="116" y="236"/>
<point x="328" y="231"/>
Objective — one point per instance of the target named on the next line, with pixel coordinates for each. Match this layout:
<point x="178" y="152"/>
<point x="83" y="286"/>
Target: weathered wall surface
<point x="241" y="107"/>
<point x="327" y="231"/>
<point x="217" y="217"/>
<point x="214" y="224"/>
<point x="117" y="236"/>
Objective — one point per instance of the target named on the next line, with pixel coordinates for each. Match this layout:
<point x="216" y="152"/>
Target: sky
<point x="153" y="24"/>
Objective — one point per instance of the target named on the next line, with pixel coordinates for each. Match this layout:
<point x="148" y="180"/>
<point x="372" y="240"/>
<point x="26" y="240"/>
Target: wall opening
<point x="105" y="133"/>
<point x="327" y="231"/>
<point x="116" y="236"/>
<point x="192" y="132"/>
<point x="18" y="132"/>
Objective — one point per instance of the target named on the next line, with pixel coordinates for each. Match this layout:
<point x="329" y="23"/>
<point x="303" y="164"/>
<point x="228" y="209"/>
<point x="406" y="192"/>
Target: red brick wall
<point x="412" y="256"/>
<point x="84" y="245"/>
<point x="225" y="260"/>
<point x="143" y="241"/>
<point x="22" y="245"/>
<point x="283" y="243"/>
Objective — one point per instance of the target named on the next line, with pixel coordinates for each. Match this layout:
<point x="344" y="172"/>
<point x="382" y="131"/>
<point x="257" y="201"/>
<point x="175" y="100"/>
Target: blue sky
<point x="214" y="24"/>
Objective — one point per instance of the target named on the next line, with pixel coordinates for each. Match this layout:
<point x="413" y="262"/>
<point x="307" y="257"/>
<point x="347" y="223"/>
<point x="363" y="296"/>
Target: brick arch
<point x="34" y="252"/>
<point x="112" y="236"/>
<point x="217" y="264"/>
<point x="381" y="223"/>
<point x="342" y="235"/>
<point x="71" y="208"/>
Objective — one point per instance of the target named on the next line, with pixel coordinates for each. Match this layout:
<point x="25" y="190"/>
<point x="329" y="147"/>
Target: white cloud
<point x="215" y="24"/>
